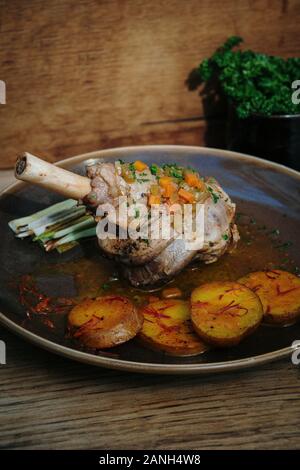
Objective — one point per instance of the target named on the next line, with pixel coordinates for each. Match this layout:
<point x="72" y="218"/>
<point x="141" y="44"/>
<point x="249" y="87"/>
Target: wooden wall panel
<point x="88" y="74"/>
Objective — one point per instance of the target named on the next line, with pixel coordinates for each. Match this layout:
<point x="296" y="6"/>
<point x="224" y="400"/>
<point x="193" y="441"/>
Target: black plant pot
<point x="275" y="138"/>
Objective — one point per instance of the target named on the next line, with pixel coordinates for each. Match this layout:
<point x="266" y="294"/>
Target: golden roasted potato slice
<point x="279" y="292"/>
<point x="223" y="313"/>
<point x="105" y="322"/>
<point x="167" y="327"/>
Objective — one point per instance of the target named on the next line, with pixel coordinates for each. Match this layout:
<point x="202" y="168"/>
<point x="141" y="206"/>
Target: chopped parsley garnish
<point x="105" y="286"/>
<point x="225" y="236"/>
<point x="154" y="169"/>
<point x="214" y="196"/>
<point x="172" y="169"/>
<point x="132" y="169"/>
<point x="252" y="81"/>
<point x="137" y="213"/>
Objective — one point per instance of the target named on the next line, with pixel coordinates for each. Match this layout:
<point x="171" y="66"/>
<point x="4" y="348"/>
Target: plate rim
<point x="142" y="367"/>
<point x="149" y="367"/>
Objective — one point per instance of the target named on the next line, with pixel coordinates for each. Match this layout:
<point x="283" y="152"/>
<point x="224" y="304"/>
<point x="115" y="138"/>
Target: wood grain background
<point x="88" y="74"/>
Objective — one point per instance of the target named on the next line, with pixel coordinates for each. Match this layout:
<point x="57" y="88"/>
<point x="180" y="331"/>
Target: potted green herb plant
<point x="262" y="98"/>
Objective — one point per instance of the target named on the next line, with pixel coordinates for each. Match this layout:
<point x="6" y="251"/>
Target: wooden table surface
<point x="50" y="402"/>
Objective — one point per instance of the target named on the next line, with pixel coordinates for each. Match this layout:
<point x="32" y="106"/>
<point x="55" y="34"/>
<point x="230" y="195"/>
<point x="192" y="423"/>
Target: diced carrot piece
<point x="193" y="180"/>
<point x="174" y="198"/>
<point x="168" y="185"/>
<point x="140" y="166"/>
<point x="186" y="195"/>
<point x="170" y="190"/>
<point x="164" y="181"/>
<point x="171" y="293"/>
<point x="128" y="175"/>
<point x="155" y="190"/>
<point x="152" y="199"/>
<point x="201" y="185"/>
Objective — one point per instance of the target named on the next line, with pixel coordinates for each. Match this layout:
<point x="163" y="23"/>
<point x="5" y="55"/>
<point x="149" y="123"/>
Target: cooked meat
<point x="220" y="235"/>
<point x="133" y="252"/>
<point x="162" y="268"/>
<point x="106" y="184"/>
<point x="146" y="261"/>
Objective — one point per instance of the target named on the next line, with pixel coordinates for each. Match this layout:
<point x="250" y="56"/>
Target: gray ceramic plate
<point x="265" y="190"/>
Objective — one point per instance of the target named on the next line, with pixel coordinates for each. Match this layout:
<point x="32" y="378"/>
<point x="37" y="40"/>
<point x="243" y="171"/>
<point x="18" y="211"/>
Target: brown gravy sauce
<point x="260" y="248"/>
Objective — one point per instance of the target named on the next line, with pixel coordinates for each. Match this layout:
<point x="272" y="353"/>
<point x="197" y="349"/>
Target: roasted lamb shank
<point x="145" y="262"/>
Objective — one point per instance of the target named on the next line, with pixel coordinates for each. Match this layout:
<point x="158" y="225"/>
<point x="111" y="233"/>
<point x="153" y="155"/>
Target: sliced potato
<point x="105" y="322"/>
<point x="279" y="292"/>
<point x="223" y="313"/>
<point x="167" y="327"/>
